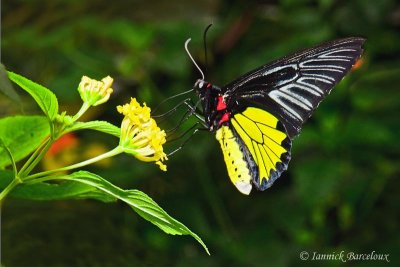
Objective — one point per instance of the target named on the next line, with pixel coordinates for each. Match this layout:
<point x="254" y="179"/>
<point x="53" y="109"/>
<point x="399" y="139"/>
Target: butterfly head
<point x="213" y="103"/>
<point x="200" y="86"/>
<point x="203" y="88"/>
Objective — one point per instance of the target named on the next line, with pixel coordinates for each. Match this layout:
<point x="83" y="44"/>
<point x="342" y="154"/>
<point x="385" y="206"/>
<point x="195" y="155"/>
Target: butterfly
<point x="256" y="117"/>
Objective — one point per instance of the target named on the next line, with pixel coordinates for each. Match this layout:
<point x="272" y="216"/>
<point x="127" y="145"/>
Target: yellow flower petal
<point x="140" y="135"/>
<point x="95" y="92"/>
<point x="162" y="166"/>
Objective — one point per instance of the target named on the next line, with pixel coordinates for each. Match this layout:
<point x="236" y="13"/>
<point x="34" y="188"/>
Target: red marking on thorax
<point x="224" y="118"/>
<point x="221" y="105"/>
<point x="208" y="86"/>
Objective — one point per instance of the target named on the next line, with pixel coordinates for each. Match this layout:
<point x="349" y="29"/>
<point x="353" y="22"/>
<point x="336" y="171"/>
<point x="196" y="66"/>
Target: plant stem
<point x="83" y="109"/>
<point x="108" y="154"/>
<point x="33" y="156"/>
<point x="9" y="187"/>
<point x="32" y="165"/>
<point x="39" y="153"/>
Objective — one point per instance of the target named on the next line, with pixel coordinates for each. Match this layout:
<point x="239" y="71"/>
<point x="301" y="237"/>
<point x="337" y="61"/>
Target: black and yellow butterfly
<point x="256" y="117"/>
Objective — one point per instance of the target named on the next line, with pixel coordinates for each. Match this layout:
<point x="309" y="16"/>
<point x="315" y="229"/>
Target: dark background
<point x="341" y="191"/>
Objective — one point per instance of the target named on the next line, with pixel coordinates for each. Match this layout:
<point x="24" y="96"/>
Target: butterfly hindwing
<point x="291" y="88"/>
<point x="267" y="142"/>
<point x="256" y="149"/>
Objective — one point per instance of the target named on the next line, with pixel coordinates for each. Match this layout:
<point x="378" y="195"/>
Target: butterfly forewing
<point x="291" y="88"/>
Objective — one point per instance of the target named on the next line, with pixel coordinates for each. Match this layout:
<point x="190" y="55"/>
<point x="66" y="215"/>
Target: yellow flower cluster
<point x="95" y="92"/>
<point x="140" y="135"/>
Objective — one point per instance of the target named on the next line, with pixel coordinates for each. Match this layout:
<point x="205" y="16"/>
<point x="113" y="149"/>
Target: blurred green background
<point x="341" y="191"/>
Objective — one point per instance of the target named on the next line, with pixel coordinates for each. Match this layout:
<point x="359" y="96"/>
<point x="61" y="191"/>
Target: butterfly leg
<point x="184" y="118"/>
<point x="184" y="133"/>
<point x="192" y="110"/>
<point x="193" y="132"/>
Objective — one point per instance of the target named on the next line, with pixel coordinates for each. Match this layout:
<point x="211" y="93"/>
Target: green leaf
<point x="139" y="201"/>
<point x="21" y="134"/>
<point x="53" y="191"/>
<point x="6" y="86"/>
<point x="45" y="98"/>
<point x="101" y="126"/>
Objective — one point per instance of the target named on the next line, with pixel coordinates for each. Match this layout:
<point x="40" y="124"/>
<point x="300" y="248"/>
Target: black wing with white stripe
<point x="292" y="87"/>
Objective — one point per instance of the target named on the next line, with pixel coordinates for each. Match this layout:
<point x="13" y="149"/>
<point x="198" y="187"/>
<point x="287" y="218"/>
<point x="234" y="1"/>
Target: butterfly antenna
<point x="205" y="44"/>
<point x="194" y="62"/>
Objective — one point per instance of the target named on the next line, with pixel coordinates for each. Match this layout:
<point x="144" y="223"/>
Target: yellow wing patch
<point x="258" y="130"/>
<point x="238" y="170"/>
<point x="260" y="115"/>
<point x="250" y="128"/>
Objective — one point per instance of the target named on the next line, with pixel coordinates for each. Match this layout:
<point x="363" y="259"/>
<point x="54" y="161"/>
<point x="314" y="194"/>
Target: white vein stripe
<point x="308" y="88"/>
<point x="298" y="99"/>
<point x="311" y="68"/>
<point x="329" y="53"/>
<point x="303" y="64"/>
<point x="320" y="59"/>
<point x="301" y="80"/>
<point x="319" y="77"/>
<point x="278" y="68"/>
<point x="276" y="95"/>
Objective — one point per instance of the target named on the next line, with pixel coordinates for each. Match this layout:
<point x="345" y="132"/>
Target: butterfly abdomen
<point x="236" y="163"/>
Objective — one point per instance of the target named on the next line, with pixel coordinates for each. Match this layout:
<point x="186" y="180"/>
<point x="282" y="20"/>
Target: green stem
<point x="108" y="154"/>
<point x="33" y="156"/>
<point x="9" y="187"/>
<point x="39" y="153"/>
<point x="33" y="161"/>
<point x="83" y="109"/>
